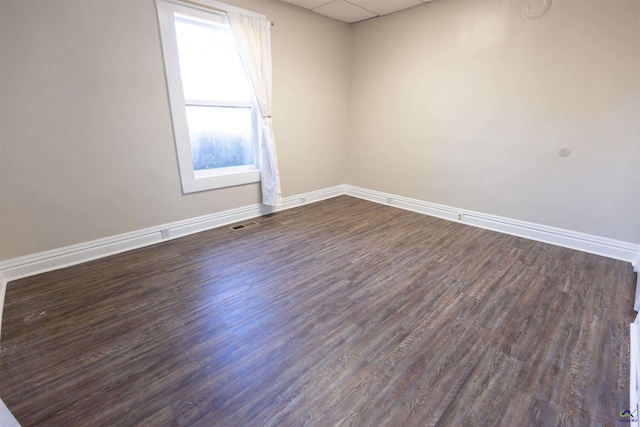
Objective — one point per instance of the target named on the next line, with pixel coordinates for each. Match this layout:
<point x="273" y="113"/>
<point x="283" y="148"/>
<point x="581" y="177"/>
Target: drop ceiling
<point x="356" y="10"/>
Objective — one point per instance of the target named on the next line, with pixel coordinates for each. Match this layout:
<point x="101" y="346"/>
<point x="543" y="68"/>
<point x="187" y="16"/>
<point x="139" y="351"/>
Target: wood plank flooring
<point x="343" y="312"/>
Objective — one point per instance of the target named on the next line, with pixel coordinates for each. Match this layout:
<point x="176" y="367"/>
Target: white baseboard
<point x="42" y="262"/>
<point x="557" y="236"/>
<point x="3" y="291"/>
<point x="6" y="418"/>
<point x="634" y="363"/>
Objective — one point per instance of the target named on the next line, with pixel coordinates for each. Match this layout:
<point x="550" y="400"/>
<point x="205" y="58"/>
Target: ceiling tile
<point x="358" y="10"/>
<point x="308" y="4"/>
<point x="344" y="11"/>
<point x="383" y="7"/>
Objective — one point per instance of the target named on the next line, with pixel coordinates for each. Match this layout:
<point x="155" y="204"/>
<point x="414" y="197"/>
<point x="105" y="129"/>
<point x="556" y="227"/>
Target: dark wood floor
<point x="343" y="312"/>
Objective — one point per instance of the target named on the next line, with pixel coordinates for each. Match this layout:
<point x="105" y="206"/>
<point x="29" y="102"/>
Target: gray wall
<point x="86" y="142"/>
<point x="467" y="103"/>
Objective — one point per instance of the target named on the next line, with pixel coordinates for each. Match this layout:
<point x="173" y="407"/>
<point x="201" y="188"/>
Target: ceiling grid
<point x="356" y="10"/>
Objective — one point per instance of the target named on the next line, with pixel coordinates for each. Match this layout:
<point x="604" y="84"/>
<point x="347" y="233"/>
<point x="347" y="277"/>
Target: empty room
<point x="319" y="212"/>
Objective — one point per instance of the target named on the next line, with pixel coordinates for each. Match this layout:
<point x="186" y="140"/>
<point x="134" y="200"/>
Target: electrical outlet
<point x="459" y="217"/>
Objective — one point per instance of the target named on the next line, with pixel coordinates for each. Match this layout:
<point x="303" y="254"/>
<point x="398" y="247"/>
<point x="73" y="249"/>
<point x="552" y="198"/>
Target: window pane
<point x="209" y="63"/>
<point x="220" y="136"/>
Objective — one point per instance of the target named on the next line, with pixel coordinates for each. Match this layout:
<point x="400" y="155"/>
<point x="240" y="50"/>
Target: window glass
<point x="220" y="136"/>
<point x="209" y="63"/>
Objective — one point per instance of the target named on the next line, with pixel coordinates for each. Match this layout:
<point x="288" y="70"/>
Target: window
<point x="213" y="107"/>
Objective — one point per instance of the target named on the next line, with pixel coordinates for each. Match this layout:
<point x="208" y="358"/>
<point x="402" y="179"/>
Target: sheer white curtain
<point x="253" y="36"/>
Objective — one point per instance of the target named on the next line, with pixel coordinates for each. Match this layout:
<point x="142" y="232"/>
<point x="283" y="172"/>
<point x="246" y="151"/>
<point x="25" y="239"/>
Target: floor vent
<point x="243" y="226"/>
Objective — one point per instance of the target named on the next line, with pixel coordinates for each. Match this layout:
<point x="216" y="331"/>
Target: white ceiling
<point x="356" y="10"/>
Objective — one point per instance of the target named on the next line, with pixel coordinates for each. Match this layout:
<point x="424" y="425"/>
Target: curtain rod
<point x="211" y="8"/>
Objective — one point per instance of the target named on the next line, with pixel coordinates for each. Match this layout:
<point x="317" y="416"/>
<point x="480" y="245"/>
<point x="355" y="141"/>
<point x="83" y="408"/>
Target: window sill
<point x="210" y="181"/>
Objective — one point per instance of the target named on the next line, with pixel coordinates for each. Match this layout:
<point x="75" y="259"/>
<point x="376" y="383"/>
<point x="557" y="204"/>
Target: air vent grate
<point x="238" y="227"/>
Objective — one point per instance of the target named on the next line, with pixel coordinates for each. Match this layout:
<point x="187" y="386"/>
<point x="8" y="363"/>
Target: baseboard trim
<point x="3" y="291"/>
<point x="557" y="236"/>
<point x="6" y="417"/>
<point x="43" y="262"/>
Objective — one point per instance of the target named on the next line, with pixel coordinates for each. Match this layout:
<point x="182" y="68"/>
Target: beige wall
<point x="86" y="141"/>
<point x="466" y="103"/>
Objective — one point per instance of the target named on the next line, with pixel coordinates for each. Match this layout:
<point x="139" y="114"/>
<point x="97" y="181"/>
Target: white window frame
<point x="192" y="180"/>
